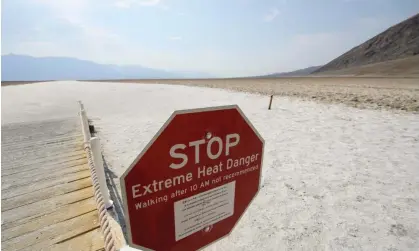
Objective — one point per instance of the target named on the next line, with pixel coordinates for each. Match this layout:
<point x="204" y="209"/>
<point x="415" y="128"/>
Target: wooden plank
<point x="11" y="153"/>
<point x="25" y="134"/>
<point x="51" y="161"/>
<point x="29" y="212"/>
<point x="27" y="180"/>
<point x="19" y="160"/>
<point x="39" y="143"/>
<point x="29" y="129"/>
<point x="32" y="187"/>
<point x="63" y="162"/>
<point x="47" y="167"/>
<point x="90" y="241"/>
<point x="25" y="157"/>
<point x="28" y="137"/>
<point x="42" y="160"/>
<point x="73" y="144"/>
<point x="31" y="148"/>
<point x="47" y="193"/>
<point x="31" y="197"/>
<point x="40" y="175"/>
<point x="53" y="234"/>
<point x="61" y="214"/>
<point x="70" y="122"/>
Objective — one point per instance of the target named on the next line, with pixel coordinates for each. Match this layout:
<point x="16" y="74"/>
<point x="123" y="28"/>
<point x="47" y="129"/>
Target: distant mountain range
<point x="296" y="73"/>
<point x="27" y="68"/>
<point x="395" y="51"/>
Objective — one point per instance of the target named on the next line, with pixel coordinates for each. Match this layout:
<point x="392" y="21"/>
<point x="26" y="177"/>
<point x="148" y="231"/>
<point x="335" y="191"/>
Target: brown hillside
<point x="406" y="67"/>
<point x="397" y="42"/>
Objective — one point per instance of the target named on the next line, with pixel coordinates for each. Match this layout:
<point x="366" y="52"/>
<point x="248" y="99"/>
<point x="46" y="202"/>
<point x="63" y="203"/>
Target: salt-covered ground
<point x="334" y="177"/>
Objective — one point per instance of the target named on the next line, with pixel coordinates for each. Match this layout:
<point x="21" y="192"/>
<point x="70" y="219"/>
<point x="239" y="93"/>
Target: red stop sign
<point x="193" y="181"/>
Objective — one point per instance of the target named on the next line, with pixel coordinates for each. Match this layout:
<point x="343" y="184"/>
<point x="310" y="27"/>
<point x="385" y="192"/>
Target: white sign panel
<point x="202" y="210"/>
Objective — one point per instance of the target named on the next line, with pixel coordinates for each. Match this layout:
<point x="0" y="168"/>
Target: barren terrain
<point x="405" y="67"/>
<point x="395" y="93"/>
<point x="366" y="92"/>
<point x="333" y="177"/>
<point x="12" y="83"/>
<point x="397" y="42"/>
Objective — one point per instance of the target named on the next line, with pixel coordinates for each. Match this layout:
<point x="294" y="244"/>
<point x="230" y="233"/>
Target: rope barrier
<point x="103" y="217"/>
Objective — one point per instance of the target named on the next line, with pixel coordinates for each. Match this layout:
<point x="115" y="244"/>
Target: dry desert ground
<point x="394" y="93"/>
<point x="361" y="92"/>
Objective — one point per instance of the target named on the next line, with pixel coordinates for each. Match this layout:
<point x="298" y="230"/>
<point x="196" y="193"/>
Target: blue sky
<point x="220" y="37"/>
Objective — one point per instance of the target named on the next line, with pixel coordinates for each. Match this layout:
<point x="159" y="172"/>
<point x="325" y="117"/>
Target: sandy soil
<point x="365" y="92"/>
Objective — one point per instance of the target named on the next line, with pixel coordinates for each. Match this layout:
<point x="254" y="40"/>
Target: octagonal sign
<point x="193" y="181"/>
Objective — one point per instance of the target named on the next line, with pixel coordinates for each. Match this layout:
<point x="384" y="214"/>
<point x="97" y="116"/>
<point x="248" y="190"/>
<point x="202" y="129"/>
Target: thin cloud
<point x="128" y="3"/>
<point x="74" y="13"/>
<point x="123" y="4"/>
<point x="175" y="38"/>
<point x="149" y="2"/>
<point x="69" y="10"/>
<point x="271" y="15"/>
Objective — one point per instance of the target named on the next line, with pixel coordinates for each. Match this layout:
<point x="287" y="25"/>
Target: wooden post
<point x="270" y="102"/>
<point x="85" y="126"/>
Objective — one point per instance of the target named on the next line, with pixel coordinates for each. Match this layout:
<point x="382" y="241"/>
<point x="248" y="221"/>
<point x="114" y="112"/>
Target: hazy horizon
<point x="224" y="39"/>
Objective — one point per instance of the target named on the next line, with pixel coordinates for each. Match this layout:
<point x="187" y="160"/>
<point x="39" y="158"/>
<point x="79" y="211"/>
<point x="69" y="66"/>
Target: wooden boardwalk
<point x="47" y="198"/>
